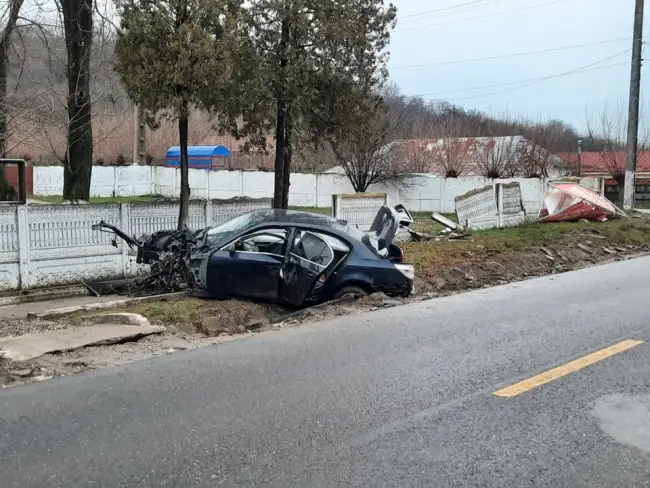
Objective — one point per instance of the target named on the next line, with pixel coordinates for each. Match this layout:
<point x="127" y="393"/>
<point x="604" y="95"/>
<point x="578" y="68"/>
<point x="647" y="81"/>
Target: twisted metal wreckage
<point x="174" y="258"/>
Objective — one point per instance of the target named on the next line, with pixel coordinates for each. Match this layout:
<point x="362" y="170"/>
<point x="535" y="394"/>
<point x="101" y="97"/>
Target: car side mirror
<point x="231" y="247"/>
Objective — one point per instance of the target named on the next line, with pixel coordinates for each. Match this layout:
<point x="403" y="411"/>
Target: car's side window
<point x="268" y="241"/>
<point x="312" y="248"/>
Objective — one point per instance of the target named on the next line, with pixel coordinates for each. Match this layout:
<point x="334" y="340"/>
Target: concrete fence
<point x="419" y="193"/>
<point x="49" y="245"/>
<point x="358" y="209"/>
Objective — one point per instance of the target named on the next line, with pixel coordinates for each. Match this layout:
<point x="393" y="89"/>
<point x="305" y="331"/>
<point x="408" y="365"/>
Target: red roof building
<point x="606" y="163"/>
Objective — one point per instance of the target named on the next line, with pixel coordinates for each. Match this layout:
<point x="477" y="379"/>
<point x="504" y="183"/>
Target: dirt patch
<point x="501" y="256"/>
<point x="190" y="316"/>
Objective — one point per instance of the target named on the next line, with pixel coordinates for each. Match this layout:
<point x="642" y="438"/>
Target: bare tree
<point x="497" y="157"/>
<point x="535" y="159"/>
<point x="607" y="132"/>
<point x="414" y="155"/>
<point x="451" y="152"/>
<point x="9" y="19"/>
<point x="366" y="155"/>
<point x="38" y="102"/>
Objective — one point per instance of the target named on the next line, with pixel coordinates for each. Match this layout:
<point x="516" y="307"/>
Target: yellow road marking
<point x="565" y="369"/>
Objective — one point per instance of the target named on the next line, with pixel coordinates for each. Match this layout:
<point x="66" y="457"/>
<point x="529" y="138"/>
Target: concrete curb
<point x="89" y="307"/>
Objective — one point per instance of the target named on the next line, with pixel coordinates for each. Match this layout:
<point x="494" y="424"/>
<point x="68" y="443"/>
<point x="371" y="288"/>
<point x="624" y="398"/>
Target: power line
<point x="481" y="16"/>
<point x="539" y="80"/>
<point x="535" y="80"/>
<point x="451" y="10"/>
<point x="512" y="55"/>
<point x="451" y="7"/>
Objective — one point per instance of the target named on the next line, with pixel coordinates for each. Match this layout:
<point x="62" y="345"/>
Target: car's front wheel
<point x="351" y="290"/>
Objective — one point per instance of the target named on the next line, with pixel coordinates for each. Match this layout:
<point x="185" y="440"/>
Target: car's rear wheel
<point x="351" y="290"/>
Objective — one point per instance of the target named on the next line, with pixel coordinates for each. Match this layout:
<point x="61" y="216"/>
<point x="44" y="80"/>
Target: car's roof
<point x="280" y="216"/>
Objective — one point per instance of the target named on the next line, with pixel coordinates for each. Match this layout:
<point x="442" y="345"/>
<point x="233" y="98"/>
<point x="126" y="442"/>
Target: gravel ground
<point x="15" y="327"/>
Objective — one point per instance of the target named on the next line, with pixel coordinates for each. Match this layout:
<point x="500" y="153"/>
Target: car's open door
<point x="308" y="258"/>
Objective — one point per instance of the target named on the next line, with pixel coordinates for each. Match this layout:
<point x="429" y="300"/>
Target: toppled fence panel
<point x="477" y="207"/>
<point x="509" y="204"/>
<point x="488" y="207"/>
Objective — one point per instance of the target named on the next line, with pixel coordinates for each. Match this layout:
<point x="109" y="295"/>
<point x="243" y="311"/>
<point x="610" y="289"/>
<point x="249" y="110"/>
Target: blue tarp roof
<point x="199" y="151"/>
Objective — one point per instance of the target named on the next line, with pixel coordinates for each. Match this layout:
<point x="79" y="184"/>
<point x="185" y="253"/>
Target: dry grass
<point x="113" y="139"/>
<point x="512" y="247"/>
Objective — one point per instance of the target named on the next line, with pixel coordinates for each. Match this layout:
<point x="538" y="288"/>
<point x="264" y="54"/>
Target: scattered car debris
<point x="448" y="223"/>
<point x="277" y="255"/>
<point x="569" y="202"/>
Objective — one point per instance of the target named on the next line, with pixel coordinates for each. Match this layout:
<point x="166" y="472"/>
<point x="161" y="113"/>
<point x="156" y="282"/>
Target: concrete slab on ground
<point x="30" y="346"/>
<point x="20" y="310"/>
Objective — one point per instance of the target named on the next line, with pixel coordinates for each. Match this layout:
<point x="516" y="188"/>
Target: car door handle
<point x="270" y="266"/>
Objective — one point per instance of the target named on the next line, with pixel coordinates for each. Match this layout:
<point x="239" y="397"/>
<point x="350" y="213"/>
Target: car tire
<point x="357" y="291"/>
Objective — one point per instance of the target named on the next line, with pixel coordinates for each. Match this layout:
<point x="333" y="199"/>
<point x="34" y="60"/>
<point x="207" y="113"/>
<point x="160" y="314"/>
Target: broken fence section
<point x="358" y="209"/>
<point x="491" y="206"/>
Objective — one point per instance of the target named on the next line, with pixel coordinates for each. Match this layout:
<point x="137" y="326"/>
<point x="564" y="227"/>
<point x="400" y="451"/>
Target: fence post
<point x="443" y="196"/>
<point x="499" y="188"/>
<point x="23" y="247"/>
<point x="152" y="181"/>
<point x="125" y="225"/>
<point x="207" y="210"/>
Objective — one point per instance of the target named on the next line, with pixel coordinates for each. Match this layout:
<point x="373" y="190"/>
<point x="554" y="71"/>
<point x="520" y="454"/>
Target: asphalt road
<point x="394" y="398"/>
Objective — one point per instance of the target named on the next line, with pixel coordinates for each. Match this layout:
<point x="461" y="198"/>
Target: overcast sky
<point x="442" y="31"/>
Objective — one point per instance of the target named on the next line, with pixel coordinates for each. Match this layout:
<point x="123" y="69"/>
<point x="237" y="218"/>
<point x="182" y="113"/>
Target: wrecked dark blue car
<point x="300" y="258"/>
<point x="275" y="255"/>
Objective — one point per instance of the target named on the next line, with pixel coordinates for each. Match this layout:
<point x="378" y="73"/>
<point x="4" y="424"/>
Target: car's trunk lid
<point x="385" y="226"/>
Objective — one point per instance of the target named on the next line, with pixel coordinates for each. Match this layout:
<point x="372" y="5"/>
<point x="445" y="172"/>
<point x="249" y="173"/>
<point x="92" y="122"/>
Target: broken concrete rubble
<point x="122" y="318"/>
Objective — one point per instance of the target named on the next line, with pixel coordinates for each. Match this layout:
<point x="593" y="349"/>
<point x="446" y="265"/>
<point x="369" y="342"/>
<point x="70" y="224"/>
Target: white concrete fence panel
<point x="419" y="193"/>
<point x="358" y="209"/>
<point x="50" y="245"/>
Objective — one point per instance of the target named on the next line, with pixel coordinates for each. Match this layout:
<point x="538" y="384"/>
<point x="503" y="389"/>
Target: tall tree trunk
<point x="279" y="153"/>
<point x="288" y="155"/>
<point x="78" y="161"/>
<point x="5" y="42"/>
<point x="281" y="118"/>
<point x="185" y="180"/>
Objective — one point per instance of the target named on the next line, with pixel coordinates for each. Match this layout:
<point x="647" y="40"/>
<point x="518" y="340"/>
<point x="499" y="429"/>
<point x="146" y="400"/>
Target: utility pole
<point x="579" y="157"/>
<point x="633" y="114"/>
